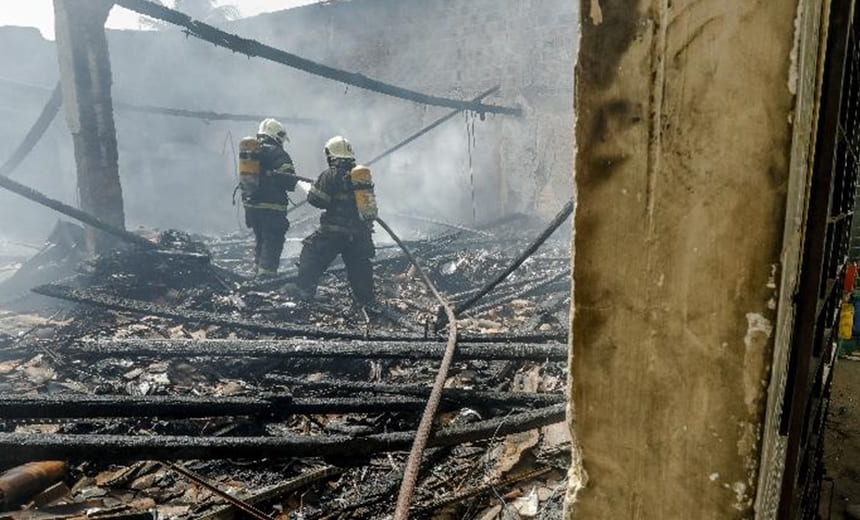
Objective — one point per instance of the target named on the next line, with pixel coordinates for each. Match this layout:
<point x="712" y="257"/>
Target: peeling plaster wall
<point x="686" y="159"/>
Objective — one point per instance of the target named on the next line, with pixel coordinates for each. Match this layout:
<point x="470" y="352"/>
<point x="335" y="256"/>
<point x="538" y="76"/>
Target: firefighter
<point x="345" y="193"/>
<point x="264" y="185"/>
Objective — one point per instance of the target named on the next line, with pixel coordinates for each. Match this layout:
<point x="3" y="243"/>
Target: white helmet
<point x="273" y="129"/>
<point x="339" y="148"/>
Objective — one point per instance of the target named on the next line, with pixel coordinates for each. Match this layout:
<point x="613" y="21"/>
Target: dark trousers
<point x="319" y="251"/>
<point x="270" y="229"/>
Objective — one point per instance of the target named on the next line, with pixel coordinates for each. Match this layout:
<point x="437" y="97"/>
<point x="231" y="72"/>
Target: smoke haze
<point x="180" y="173"/>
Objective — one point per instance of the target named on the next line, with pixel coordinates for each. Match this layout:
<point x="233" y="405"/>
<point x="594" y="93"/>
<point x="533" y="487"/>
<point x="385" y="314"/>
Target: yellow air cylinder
<point x="249" y="164"/>
<point x="846" y="321"/>
<point x="362" y="186"/>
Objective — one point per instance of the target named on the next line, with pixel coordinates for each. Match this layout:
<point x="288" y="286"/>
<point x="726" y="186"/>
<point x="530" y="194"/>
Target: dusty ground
<point x="842" y="442"/>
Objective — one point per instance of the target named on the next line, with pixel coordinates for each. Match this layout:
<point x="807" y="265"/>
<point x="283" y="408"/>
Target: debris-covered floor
<point x="137" y="351"/>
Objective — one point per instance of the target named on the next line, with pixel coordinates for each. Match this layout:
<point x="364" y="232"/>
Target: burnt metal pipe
<point x="21" y="483"/>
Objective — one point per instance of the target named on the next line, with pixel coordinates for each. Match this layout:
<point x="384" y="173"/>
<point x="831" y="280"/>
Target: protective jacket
<point x="333" y="193"/>
<point x="278" y="176"/>
<point x="266" y="205"/>
<point x="342" y="232"/>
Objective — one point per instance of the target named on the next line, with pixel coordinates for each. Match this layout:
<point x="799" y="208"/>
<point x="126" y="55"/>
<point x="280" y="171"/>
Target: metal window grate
<point x="831" y="238"/>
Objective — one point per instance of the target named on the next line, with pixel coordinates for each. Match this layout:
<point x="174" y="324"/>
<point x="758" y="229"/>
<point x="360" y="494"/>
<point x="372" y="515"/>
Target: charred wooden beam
<point x="202" y="115"/>
<point x="249" y="47"/>
<point x="34" y="135"/>
<point x="302" y="348"/>
<point x="115" y="303"/>
<point x="107" y="301"/>
<point x="507" y="286"/>
<point x="460" y="396"/>
<point x="438" y="222"/>
<point x="69" y="406"/>
<point x="75" y="213"/>
<point x="547" y="284"/>
<point x="72" y="406"/>
<point x="85" y="76"/>
<point x="116" y="448"/>
<point x="209" y="115"/>
<point x="428" y="128"/>
<point x="556" y="222"/>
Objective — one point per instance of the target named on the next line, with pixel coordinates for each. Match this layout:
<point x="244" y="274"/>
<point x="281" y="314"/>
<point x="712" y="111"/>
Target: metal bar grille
<point x="831" y="238"/>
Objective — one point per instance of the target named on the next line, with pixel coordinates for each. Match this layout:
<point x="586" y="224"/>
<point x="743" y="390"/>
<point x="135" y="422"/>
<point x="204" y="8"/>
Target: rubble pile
<point x="176" y="350"/>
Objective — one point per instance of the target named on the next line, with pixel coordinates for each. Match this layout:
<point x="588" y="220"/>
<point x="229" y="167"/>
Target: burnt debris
<point x="304" y="409"/>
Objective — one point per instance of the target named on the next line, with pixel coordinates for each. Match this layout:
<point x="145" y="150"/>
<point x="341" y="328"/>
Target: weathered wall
<point x="451" y="47"/>
<point x="460" y="48"/>
<point x="684" y="131"/>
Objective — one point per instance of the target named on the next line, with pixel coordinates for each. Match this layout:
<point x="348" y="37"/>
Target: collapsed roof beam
<point x="202" y="115"/>
<point x="34" y="135"/>
<point x="254" y="48"/>
<point x="556" y="222"/>
<point x="84" y="406"/>
<point x="107" y="301"/>
<point x="308" y="349"/>
<point x="117" y="448"/>
<point x="75" y="213"/>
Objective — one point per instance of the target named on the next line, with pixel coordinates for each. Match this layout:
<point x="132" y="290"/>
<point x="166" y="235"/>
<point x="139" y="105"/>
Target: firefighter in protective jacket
<point x="266" y="175"/>
<point x="345" y="193"/>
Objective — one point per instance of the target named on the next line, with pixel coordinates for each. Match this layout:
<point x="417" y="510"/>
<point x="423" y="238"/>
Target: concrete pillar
<point x="85" y="75"/>
<point x="683" y="172"/>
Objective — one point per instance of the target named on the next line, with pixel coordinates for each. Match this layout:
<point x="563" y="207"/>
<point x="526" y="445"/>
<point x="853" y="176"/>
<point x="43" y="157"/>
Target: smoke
<point x="180" y="173"/>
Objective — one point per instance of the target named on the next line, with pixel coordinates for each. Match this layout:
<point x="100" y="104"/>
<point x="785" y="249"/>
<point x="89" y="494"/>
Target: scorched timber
<point x="116" y="448"/>
<point x="106" y="301"/>
<point x="70" y="406"/>
<point x="461" y="396"/>
<point x="300" y="348"/>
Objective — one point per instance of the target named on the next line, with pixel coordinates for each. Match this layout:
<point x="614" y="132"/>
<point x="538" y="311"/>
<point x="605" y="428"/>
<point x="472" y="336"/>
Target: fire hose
<point x="413" y="463"/>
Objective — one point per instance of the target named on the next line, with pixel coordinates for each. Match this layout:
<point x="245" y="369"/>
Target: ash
<point x="205" y="283"/>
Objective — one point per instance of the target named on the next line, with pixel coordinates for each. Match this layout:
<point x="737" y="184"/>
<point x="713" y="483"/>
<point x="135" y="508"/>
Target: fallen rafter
<point x="79" y="406"/>
<point x="299" y="348"/>
<point x="116" y="448"/>
<point x="75" y="213"/>
<point x="476" y="398"/>
<point x="107" y="301"/>
<point x="556" y="222"/>
<point x="34" y="135"/>
<point x="254" y="48"/>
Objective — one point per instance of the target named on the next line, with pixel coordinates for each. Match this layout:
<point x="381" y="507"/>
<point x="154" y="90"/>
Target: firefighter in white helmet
<point x="264" y="196"/>
<point x="343" y="192"/>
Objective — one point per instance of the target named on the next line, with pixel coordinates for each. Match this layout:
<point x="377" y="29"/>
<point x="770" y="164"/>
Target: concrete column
<point x="85" y="74"/>
<point x="684" y="135"/>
